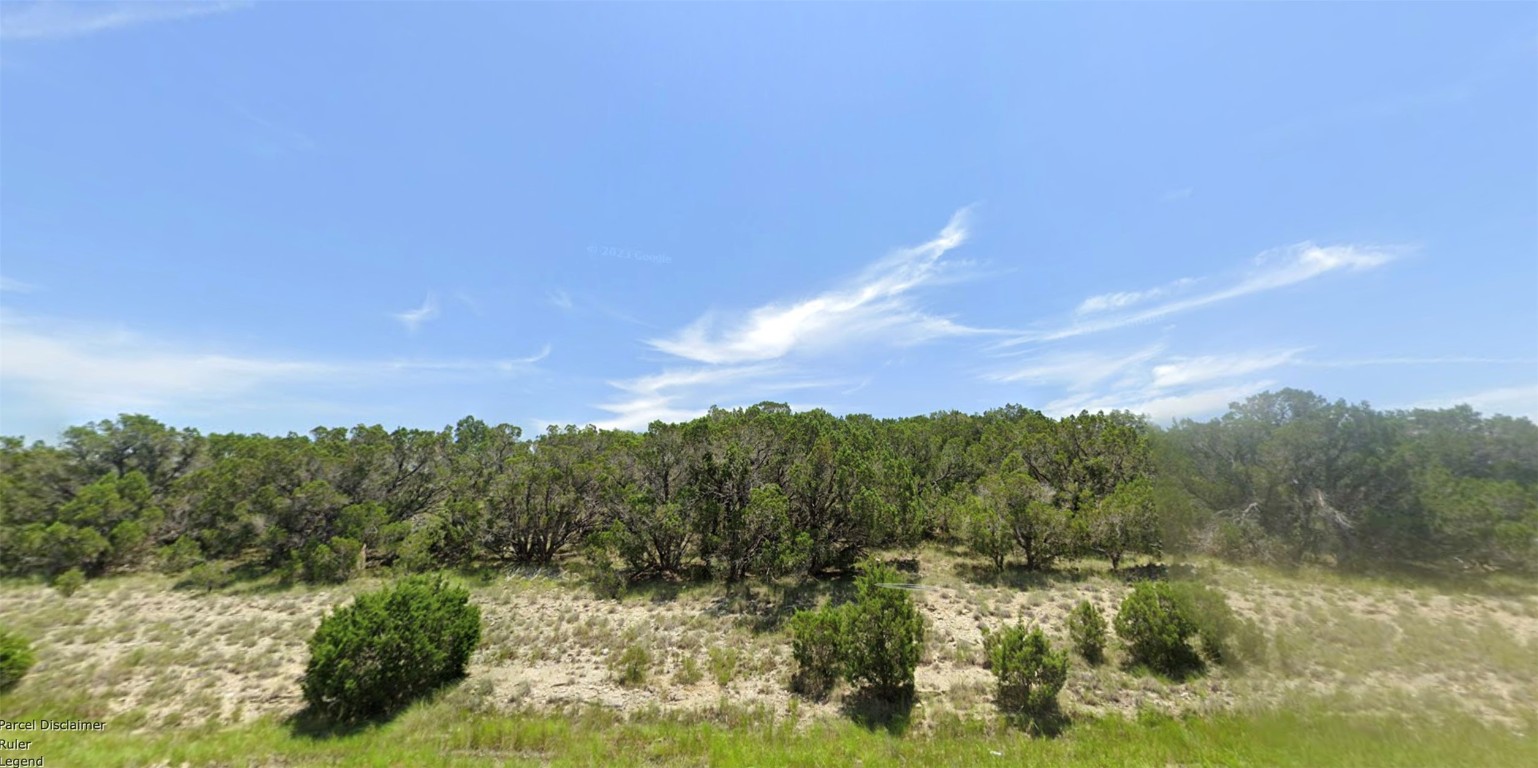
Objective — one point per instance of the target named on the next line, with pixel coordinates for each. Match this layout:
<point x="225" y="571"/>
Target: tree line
<point x="1283" y="477"/>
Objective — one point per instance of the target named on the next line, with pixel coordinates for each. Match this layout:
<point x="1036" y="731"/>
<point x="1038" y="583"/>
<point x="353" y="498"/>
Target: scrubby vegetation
<point x="1029" y="672"/>
<point x="1285" y="478"/>
<point x="16" y="657"/>
<point x="390" y="647"/>
<point x="1086" y="628"/>
<point x="763" y="515"/>
<point x="1155" y="624"/>
<point x="883" y="633"/>
<point x="817" y="645"/>
<point x="874" y="641"/>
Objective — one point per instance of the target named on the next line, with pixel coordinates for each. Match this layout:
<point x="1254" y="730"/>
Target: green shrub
<point x="817" y="646"/>
<point x="631" y="665"/>
<point x="180" y="555"/>
<point x="1086" y="628"/>
<point x="689" y="672"/>
<point x="606" y="581"/>
<point x="69" y="582"/>
<point x="1155" y="624"/>
<point x="723" y="665"/>
<point x="1223" y="637"/>
<point x="883" y="633"/>
<point x="333" y="563"/>
<point x="1028" y="671"/>
<point x="16" y="658"/>
<point x="205" y="577"/>
<point x="389" y="648"/>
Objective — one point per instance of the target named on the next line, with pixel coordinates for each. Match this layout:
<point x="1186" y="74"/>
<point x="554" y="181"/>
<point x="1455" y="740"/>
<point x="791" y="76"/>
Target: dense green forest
<point x="1284" y="477"/>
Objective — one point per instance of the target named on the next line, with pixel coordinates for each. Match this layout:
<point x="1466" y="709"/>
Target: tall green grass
<point x="438" y="734"/>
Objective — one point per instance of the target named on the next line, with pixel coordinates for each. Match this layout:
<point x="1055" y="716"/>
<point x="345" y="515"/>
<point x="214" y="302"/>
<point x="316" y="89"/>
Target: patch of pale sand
<point x="549" y="646"/>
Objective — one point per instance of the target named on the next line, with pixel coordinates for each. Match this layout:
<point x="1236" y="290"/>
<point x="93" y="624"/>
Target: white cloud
<point x="1273" y="269"/>
<point x="560" y="299"/>
<point x="414" y="318"/>
<point x="543" y="353"/>
<point x="9" y="285"/>
<point x="1449" y="360"/>
<point x="1125" y="299"/>
<point x="1521" y="400"/>
<point x="1162" y="408"/>
<point x="1194" y="370"/>
<point x="1076" y="370"/>
<point x="876" y="306"/>
<point x="269" y="137"/>
<point x="85" y="371"/>
<point x="688" y="393"/>
<point x="53" y="20"/>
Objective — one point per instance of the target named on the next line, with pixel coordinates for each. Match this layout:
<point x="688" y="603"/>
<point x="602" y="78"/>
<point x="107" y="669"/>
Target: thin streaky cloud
<point x="876" y="306"/>
<point x="275" y="137"/>
<point x="1519" y="401"/>
<point x="50" y="20"/>
<point x="688" y="393"/>
<point x="470" y="302"/>
<point x="1075" y="370"/>
<point x="561" y="299"/>
<point x="1161" y="408"/>
<point x="1183" y="372"/>
<point x="1455" y="360"/>
<point x="413" y="319"/>
<point x="543" y="353"/>
<point x="9" y="285"/>
<point x="87" y="370"/>
<point x="1273" y="270"/>
<point x="1124" y="299"/>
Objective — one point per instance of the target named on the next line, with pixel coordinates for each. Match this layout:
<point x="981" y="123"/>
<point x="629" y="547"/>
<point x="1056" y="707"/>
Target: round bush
<point x="15" y="659"/>
<point x="69" y="582"/>
<point x="389" y="648"/>
<point x="1029" y="673"/>
<point x="1086" y="628"/>
<point x="1155" y="624"/>
<point x="883" y="634"/>
<point x="816" y="642"/>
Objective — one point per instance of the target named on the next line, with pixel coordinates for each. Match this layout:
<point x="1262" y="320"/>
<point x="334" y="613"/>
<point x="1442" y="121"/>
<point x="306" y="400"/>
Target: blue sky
<point x="269" y="217"/>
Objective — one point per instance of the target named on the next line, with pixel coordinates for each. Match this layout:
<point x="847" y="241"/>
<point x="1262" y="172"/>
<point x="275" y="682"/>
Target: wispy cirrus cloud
<point x="560" y="300"/>
<point x="1181" y="372"/>
<point x="1075" y="370"/>
<point x="1146" y="380"/>
<point x="84" y="371"/>
<point x="56" y="20"/>
<point x="413" y="319"/>
<point x="268" y="137"/>
<point x="1161" y="407"/>
<point x="688" y="393"/>
<point x="1520" y="400"/>
<point x="775" y="348"/>
<point x="1125" y="299"/>
<point x="1271" y="270"/>
<point x="877" y="306"/>
<point x="9" y="285"/>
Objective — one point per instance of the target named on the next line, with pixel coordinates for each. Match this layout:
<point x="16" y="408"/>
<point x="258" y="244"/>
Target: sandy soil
<point x="134" y="649"/>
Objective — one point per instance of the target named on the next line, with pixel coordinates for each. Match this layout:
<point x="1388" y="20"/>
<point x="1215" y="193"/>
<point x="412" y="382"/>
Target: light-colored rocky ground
<point x="138" y="651"/>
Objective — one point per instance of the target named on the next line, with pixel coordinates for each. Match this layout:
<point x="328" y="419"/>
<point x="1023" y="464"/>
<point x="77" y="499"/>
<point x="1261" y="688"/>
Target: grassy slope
<point x="1362" y="672"/>
<point x="440" y="734"/>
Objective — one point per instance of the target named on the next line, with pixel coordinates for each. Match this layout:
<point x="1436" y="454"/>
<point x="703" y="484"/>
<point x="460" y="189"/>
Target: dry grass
<point x="134" y="650"/>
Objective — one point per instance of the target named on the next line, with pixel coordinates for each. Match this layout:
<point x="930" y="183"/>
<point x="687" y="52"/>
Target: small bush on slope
<point x="1155" y="624"/>
<point x="1086" y="627"/>
<point x="1028" y="671"/>
<point x="390" y="647"/>
<point x="16" y="658"/>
